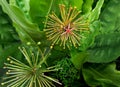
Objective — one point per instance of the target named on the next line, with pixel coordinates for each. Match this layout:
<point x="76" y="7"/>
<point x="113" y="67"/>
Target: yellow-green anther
<point x="28" y="43"/>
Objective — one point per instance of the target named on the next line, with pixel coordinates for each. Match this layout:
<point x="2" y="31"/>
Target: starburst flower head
<point x="29" y="74"/>
<point x="65" y="30"/>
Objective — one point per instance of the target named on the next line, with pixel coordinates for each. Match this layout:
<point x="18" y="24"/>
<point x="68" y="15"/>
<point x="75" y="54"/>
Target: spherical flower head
<point x="28" y="74"/>
<point x="65" y="30"/>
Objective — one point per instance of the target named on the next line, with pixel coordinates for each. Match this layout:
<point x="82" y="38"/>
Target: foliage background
<point x="22" y="22"/>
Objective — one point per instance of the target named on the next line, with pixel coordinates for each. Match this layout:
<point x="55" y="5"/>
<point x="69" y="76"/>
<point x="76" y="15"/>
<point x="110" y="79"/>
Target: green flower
<point x="66" y="29"/>
<point x="29" y="74"/>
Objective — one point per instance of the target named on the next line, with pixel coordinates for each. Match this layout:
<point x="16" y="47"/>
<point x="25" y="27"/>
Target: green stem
<point x="48" y="13"/>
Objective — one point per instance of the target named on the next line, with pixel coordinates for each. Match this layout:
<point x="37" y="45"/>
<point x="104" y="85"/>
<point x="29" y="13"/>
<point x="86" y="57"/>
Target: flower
<point x="66" y="29"/>
<point x="29" y="74"/>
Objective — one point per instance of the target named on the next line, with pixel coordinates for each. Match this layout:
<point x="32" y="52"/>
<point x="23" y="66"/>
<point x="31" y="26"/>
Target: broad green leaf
<point x="106" y="48"/>
<point x="110" y="16"/>
<point x="117" y="25"/>
<point x="78" y="58"/>
<point x="77" y="3"/>
<point x="7" y="32"/>
<point x="23" y="35"/>
<point x="10" y="50"/>
<point x="73" y="3"/>
<point x="39" y="9"/>
<point x="13" y="2"/>
<point x="21" y="23"/>
<point x="9" y="40"/>
<point x="102" y="75"/>
<point x="87" y="6"/>
<point x="94" y="15"/>
<point x="24" y="6"/>
<point x="89" y="36"/>
<point x="3" y="20"/>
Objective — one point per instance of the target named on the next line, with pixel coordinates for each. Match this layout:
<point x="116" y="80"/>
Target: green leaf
<point x="3" y="20"/>
<point x="106" y="48"/>
<point x="103" y="75"/>
<point x="21" y="23"/>
<point x="9" y="40"/>
<point x="73" y="3"/>
<point x="89" y="36"/>
<point x="94" y="15"/>
<point x="23" y="5"/>
<point x="10" y="50"/>
<point x="78" y="58"/>
<point x="7" y="32"/>
<point x="39" y="9"/>
<point x="110" y="16"/>
<point x="76" y="3"/>
<point x="87" y="6"/>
